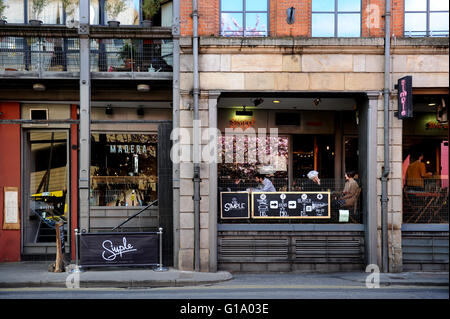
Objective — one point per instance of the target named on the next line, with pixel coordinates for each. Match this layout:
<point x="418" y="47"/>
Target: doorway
<point x="45" y="190"/>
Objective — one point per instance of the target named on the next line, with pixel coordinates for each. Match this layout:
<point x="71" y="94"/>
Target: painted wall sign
<point x="436" y="125"/>
<point x="405" y="105"/>
<point x="242" y="123"/>
<point x="118" y="249"/>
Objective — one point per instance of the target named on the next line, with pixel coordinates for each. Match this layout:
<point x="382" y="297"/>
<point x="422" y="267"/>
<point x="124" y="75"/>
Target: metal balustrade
<point x="44" y="54"/>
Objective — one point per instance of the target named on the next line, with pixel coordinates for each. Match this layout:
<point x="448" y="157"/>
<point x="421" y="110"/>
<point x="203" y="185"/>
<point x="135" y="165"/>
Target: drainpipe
<point x="386" y="170"/>
<point x="196" y="146"/>
<point x="176" y="124"/>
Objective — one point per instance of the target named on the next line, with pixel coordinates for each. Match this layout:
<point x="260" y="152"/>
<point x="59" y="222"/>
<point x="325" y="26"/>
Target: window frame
<point x="428" y="11"/>
<point x="244" y="12"/>
<point x="336" y="14"/>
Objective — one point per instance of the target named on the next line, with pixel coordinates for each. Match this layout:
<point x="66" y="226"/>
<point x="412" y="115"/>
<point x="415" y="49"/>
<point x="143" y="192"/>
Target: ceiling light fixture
<point x="276" y="101"/>
<point x="39" y="87"/>
<point x="143" y="87"/>
<point x="244" y="112"/>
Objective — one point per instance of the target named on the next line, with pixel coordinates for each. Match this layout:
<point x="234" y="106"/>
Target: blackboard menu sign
<point x="118" y="249"/>
<point x="234" y="205"/>
<point x="291" y="205"/>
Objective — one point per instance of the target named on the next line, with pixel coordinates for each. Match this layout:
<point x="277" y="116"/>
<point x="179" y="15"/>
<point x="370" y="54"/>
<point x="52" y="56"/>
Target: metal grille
<point x="107" y="55"/>
<point x="425" y="247"/>
<point x="329" y="250"/>
<point x="251" y="249"/>
<point x="426" y="203"/>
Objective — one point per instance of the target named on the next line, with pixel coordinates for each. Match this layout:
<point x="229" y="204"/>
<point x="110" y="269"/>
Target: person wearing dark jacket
<point x="313" y="183"/>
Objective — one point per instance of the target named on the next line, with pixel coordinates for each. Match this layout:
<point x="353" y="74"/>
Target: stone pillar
<point x="394" y="187"/>
<point x="207" y="213"/>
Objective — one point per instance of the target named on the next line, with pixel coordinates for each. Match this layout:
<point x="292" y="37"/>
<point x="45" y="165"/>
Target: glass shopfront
<point x="123" y="169"/>
<point x="326" y="142"/>
<point x="425" y="161"/>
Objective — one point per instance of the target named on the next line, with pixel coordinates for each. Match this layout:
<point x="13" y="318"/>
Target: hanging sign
<point x="118" y="249"/>
<point x="405" y="105"/>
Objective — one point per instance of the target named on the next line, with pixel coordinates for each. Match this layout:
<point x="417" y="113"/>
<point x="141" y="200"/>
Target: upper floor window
<point x="244" y="17"/>
<point x="426" y="18"/>
<point x="336" y="18"/>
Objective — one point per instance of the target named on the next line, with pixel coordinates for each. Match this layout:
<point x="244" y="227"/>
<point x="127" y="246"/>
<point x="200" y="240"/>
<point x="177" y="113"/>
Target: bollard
<point x="160" y="266"/>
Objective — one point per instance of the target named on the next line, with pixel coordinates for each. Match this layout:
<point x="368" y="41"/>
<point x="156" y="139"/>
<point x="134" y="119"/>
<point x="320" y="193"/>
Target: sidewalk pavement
<point x="36" y="274"/>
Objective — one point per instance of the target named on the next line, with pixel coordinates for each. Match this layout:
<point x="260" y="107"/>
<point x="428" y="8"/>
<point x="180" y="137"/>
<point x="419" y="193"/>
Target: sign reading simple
<point x="234" y="205"/>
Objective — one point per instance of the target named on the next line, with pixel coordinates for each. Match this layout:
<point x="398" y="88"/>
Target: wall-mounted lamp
<point x="140" y="111"/>
<point x="109" y="110"/>
<point x="143" y="87"/>
<point x="317" y="101"/>
<point x="39" y="87"/>
<point x="244" y="112"/>
<point x="290" y="15"/>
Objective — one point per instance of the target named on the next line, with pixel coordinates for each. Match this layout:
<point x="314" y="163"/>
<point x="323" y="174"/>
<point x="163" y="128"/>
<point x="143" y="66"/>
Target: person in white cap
<point x="313" y="182"/>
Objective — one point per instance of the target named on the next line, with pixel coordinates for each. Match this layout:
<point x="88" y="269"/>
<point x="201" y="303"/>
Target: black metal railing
<point x="134" y="215"/>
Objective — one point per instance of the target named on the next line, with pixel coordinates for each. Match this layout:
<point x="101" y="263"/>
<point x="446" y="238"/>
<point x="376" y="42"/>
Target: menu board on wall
<point x="291" y="205"/>
<point x="11" y="208"/>
<point x="234" y="205"/>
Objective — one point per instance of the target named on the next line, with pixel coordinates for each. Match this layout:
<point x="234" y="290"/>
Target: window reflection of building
<point x="123" y="169"/>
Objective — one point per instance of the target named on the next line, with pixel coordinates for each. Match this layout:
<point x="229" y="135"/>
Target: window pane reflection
<point x="349" y="25"/>
<point x="123" y="169"/>
<point x="322" y="25"/>
<point x="14" y="11"/>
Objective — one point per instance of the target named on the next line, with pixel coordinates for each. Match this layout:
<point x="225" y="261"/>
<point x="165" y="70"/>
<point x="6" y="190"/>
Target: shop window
<point x="336" y="18"/>
<point x="123" y="169"/>
<point x="246" y="18"/>
<point x="426" y="18"/>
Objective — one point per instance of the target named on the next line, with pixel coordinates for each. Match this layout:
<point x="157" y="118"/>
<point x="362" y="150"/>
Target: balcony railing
<point x="47" y="54"/>
<point x="431" y="33"/>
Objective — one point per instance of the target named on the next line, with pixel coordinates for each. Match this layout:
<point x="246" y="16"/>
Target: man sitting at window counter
<point x="265" y="184"/>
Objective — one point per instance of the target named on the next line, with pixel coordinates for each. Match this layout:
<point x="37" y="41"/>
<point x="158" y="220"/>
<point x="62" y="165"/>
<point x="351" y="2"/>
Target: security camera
<point x="257" y="101"/>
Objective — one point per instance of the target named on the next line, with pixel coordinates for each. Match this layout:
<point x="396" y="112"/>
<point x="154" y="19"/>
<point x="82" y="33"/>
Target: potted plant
<point x="3" y="7"/>
<point x="149" y="9"/>
<point x="69" y="7"/>
<point x="113" y="8"/>
<point x="128" y="54"/>
<point x="36" y="10"/>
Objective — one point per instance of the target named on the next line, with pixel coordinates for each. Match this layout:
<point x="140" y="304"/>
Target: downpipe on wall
<point x="196" y="146"/>
<point x="386" y="166"/>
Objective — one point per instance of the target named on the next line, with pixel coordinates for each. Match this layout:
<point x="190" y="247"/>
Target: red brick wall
<point x="372" y="18"/>
<point x="9" y="177"/>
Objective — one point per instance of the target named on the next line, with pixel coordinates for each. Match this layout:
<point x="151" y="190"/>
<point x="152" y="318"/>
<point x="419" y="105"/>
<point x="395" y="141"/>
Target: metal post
<point x="77" y="247"/>
<point x="85" y="110"/>
<point x="160" y="266"/>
